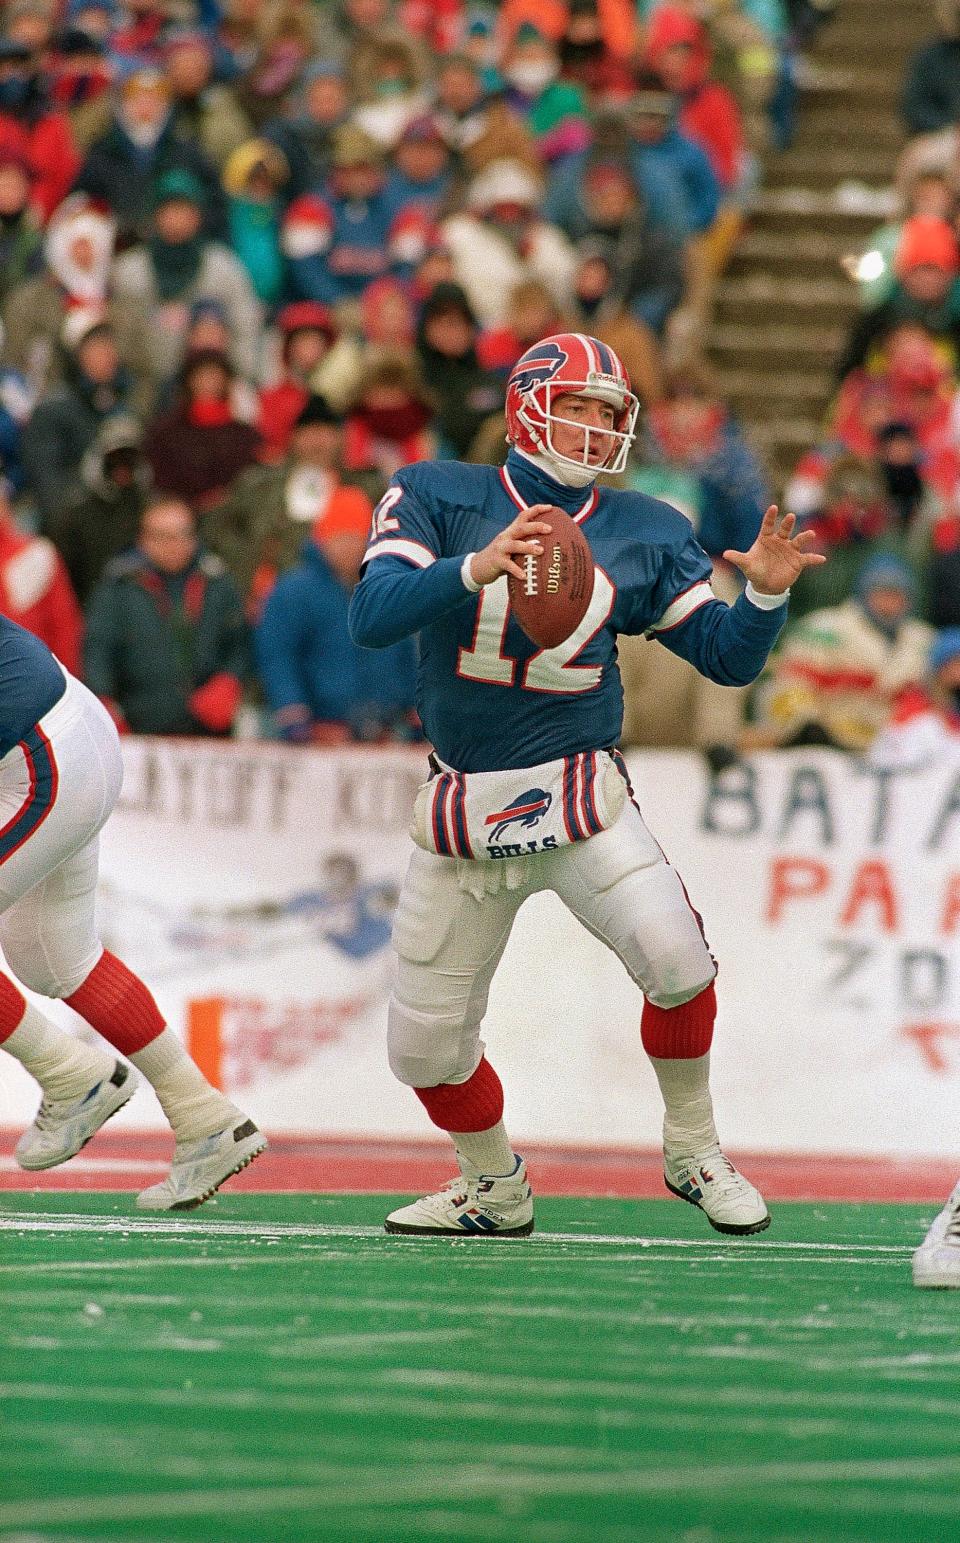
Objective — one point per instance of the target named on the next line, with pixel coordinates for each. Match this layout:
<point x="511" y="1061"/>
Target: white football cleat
<point x="200" y="1167"/>
<point x="471" y="1206"/>
<point x="709" y="1180"/>
<point x="63" y="1125"/>
<point x="936" y="1263"/>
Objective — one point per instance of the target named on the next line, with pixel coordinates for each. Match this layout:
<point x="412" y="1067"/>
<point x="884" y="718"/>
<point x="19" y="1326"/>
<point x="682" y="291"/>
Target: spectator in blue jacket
<point x="931" y="92"/>
<point x="321" y="687"/>
<point x="351" y="230"/>
<point x="673" y="174"/>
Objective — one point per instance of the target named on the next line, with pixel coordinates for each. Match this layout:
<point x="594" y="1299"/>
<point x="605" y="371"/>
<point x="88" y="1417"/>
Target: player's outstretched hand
<point x="777" y="557"/>
<point x="504" y="551"/>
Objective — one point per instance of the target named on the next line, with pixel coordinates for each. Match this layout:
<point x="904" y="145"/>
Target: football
<point x="551" y="600"/>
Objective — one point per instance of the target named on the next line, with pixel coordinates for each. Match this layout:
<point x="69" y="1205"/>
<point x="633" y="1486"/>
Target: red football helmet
<point x="567" y="363"/>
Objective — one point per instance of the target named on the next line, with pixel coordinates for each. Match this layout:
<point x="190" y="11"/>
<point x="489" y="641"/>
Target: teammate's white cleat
<point x="709" y="1180"/>
<point x="63" y="1125"/>
<point x="200" y="1167"/>
<point x="936" y="1263"/>
<point x="471" y="1206"/>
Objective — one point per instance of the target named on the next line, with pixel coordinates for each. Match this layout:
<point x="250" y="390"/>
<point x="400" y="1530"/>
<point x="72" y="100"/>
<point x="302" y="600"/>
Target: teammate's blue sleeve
<point x="407" y="581"/>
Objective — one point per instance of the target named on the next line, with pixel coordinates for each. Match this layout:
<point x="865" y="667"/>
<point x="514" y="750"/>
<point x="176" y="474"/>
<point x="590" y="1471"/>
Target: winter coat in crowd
<point x="209" y="271"/>
<point x="153" y="640"/>
<point x="674" y="175"/>
<point x="121" y="175"/>
<point x="41" y="135"/>
<point x="306" y="658"/>
<point x="466" y="394"/>
<point x="36" y="592"/>
<point x="101" y="517"/>
<point x="931" y="91"/>
<point x="260" y="528"/>
<point x="197" y="454"/>
<point x="63" y="426"/>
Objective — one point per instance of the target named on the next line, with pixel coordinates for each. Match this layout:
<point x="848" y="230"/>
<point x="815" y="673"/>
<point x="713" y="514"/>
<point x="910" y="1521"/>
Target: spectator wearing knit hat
<point x="260" y="527"/>
<point x="322" y="687"/>
<point x="197" y="448"/>
<point x="927" y="268"/>
<point x="307" y="331"/>
<point x="138" y="148"/>
<point x="178" y="265"/>
<point x="390" y="422"/>
<point x="95" y="385"/>
<point x="422" y="173"/>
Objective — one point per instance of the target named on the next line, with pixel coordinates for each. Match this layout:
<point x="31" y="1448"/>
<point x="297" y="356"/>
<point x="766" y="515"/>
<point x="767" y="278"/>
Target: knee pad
<point x="426" y="1048"/>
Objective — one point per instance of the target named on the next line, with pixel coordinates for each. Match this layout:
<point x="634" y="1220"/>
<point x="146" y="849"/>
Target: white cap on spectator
<point x="504" y="182"/>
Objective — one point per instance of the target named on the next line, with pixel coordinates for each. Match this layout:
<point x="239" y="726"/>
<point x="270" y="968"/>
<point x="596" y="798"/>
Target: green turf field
<point x="274" y="1368"/>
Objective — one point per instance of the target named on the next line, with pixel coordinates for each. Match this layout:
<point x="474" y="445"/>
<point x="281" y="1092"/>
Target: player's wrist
<point x="466" y="574"/>
<point x="764" y="601"/>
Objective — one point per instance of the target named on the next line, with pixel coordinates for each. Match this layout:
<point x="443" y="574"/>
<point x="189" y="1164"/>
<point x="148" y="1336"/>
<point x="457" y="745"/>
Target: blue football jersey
<point x="488" y="697"/>
<point x="31" y="682"/>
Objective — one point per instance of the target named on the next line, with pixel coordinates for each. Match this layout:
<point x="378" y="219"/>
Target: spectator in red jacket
<point x="35" y="589"/>
<point x="307" y="331"/>
<point x="197" y="448"/>
<point x="29" y="124"/>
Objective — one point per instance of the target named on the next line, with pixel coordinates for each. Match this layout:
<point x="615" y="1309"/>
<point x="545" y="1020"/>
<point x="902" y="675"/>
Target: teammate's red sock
<point x="680" y="1033"/>
<point x="466" y="1106"/>
<point x="13" y="1005"/>
<point x="118" y="1005"/>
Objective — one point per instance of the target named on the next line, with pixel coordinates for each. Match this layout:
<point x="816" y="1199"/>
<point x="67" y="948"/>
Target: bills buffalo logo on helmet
<point x="537" y="366"/>
<point x="527" y="810"/>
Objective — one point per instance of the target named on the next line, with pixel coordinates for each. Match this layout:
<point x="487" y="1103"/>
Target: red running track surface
<point x="130" y="1160"/>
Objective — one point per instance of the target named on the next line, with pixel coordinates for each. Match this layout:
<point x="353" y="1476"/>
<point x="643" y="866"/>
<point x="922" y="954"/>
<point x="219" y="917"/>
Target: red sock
<point x="472" y="1105"/>
<point x="118" y="1005"/>
<point x="680" y="1033"/>
<point x="13" y="1005"/>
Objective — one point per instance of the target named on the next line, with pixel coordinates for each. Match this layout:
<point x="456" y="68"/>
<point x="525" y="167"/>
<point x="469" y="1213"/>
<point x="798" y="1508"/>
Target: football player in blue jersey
<point x="60" y="775"/>
<point x="528" y="791"/>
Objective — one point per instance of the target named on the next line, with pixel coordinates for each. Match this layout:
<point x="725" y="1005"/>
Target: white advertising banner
<point x="253" y="885"/>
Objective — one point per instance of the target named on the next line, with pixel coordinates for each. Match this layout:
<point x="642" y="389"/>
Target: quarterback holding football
<point x="518" y="580"/>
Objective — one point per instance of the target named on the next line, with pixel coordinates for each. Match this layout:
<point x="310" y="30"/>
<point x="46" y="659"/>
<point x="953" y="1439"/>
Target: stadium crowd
<point x="254" y="257"/>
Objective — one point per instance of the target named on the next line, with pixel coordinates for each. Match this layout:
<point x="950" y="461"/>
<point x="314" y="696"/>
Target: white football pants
<point x="449" y="936"/>
<point x="57" y="788"/>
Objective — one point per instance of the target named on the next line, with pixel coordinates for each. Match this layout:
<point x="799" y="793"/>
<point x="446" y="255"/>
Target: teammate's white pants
<point x="449" y="942"/>
<point x="57" y="788"/>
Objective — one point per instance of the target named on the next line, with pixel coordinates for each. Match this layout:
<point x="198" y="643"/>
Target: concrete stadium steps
<point x="785" y="306"/>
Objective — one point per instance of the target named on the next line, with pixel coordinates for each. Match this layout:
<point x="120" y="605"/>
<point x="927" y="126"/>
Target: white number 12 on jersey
<point x="552" y="669"/>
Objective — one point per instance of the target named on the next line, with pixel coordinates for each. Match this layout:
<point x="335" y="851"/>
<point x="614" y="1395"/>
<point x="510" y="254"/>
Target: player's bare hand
<point x="505" y="550"/>
<point x="778" y="556"/>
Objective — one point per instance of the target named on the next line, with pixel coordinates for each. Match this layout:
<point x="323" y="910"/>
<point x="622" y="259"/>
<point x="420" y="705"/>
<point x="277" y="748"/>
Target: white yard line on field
<point x="178" y="1227"/>
<point x="337" y="1489"/>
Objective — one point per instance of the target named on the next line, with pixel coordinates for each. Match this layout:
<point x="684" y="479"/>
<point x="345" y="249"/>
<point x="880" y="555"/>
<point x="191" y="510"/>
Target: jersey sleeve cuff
<point x="469" y="582"/>
<point x="765" y="602"/>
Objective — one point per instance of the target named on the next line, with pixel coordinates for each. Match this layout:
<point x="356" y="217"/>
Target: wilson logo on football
<point x="526" y="811"/>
